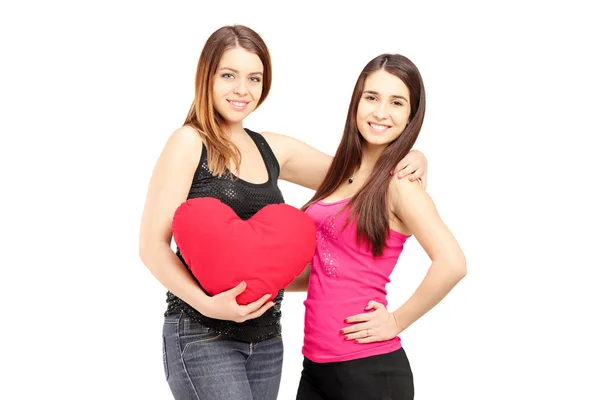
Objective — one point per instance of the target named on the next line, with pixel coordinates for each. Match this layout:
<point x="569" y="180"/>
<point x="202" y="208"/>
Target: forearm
<point x="438" y="282"/>
<point x="173" y="275"/>
<point x="304" y="166"/>
<point x="300" y="283"/>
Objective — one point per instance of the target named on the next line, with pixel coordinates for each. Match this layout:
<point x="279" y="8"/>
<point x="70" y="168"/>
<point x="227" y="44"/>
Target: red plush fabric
<point x="266" y="251"/>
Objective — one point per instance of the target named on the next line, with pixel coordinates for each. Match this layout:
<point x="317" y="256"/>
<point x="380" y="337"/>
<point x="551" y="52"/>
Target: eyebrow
<point x="394" y="96"/>
<point x="237" y="72"/>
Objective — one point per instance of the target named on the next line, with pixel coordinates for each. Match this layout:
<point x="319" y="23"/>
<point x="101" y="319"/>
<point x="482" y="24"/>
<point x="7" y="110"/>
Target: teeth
<point x="378" y="127"/>
<point x="238" y="104"/>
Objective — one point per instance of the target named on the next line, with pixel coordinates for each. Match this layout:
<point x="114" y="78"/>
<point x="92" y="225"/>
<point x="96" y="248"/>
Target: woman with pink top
<point x="213" y="347"/>
<point x="363" y="218"/>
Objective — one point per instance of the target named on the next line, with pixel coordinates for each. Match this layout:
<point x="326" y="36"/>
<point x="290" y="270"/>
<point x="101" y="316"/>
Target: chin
<point x="233" y="118"/>
<point x="377" y="141"/>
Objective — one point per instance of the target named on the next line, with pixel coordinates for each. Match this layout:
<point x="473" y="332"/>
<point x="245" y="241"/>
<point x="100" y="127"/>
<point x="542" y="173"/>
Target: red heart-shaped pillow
<point x="266" y="251"/>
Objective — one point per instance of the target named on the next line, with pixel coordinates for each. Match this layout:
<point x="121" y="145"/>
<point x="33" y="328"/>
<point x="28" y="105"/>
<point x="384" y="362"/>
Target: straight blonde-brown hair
<point x="202" y="114"/>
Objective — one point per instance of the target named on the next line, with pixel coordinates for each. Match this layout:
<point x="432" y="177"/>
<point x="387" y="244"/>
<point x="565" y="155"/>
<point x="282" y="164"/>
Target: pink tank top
<point x="344" y="277"/>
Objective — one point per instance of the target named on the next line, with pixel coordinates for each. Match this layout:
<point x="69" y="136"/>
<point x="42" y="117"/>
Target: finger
<point x="258" y="312"/>
<point x="374" y="305"/>
<point x="354" y="328"/>
<point x="416" y="175"/>
<point x="402" y="164"/>
<point x="359" y="318"/>
<point x="362" y="334"/>
<point x="369" y="339"/>
<point x="424" y="182"/>
<point x="357" y="335"/>
<point x="236" y="291"/>
<point x="408" y="171"/>
<point x="403" y="169"/>
<point x="254" y="306"/>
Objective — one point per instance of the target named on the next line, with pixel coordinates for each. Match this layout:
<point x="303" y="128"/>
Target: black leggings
<point x="382" y="377"/>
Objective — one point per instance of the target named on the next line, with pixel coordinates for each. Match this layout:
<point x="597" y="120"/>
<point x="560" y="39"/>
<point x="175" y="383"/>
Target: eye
<point x="370" y="98"/>
<point x="227" y="75"/>
<point x="255" y="79"/>
<point x="398" y="103"/>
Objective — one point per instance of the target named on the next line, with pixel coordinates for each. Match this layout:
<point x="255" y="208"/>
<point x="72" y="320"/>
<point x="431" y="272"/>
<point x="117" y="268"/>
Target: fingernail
<point x="346" y="320"/>
<point x="342" y="331"/>
<point x="346" y="337"/>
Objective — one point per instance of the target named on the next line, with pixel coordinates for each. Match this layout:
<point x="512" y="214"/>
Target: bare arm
<point x="299" y="163"/>
<point x="300" y="283"/>
<point x="417" y="211"/>
<point x="168" y="188"/>
<point x="306" y="166"/>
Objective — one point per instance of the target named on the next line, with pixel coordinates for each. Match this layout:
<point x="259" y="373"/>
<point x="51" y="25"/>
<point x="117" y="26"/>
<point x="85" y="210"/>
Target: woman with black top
<point x="214" y="348"/>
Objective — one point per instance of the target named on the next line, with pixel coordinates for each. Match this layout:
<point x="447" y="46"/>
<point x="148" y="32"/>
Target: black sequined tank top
<point x="246" y="199"/>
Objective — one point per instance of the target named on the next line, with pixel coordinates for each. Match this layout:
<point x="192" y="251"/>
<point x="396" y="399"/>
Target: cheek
<point x="257" y="92"/>
<point x="362" y="112"/>
<point x="220" y="89"/>
<point x="401" y="118"/>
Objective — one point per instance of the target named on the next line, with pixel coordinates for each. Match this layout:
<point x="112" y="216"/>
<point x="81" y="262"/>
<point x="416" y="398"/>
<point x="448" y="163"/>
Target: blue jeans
<point x="201" y="364"/>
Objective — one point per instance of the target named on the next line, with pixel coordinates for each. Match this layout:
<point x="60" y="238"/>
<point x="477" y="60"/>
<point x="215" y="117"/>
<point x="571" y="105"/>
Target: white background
<point x="90" y="91"/>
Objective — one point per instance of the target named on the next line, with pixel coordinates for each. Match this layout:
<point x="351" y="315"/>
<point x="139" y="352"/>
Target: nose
<point x="380" y="112"/>
<point x="240" y="87"/>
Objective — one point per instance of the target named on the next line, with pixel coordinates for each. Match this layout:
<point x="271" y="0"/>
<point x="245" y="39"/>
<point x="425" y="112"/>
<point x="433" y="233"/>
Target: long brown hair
<point x="369" y="206"/>
<point x="202" y="114"/>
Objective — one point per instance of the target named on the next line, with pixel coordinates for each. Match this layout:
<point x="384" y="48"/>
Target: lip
<point x="239" y="104"/>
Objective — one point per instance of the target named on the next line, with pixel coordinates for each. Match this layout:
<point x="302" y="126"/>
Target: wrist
<point x="201" y="302"/>
<point x="398" y="322"/>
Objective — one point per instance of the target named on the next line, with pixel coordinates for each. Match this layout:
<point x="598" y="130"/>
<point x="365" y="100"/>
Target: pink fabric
<point x="344" y="277"/>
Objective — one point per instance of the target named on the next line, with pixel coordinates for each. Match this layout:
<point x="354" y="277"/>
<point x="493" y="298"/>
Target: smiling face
<point x="384" y="109"/>
<point x="237" y="85"/>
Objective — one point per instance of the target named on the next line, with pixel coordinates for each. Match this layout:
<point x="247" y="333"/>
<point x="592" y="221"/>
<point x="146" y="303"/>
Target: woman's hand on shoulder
<point x="413" y="165"/>
<point x="405" y="191"/>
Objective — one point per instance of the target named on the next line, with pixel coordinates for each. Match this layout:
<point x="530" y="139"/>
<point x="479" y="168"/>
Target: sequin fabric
<point x="246" y="199"/>
<point x="327" y="232"/>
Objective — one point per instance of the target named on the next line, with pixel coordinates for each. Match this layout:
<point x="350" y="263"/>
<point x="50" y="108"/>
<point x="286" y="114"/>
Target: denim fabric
<point x="201" y="364"/>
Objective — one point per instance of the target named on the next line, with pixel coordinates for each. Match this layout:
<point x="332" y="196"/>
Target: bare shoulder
<point x="404" y="192"/>
<point x="280" y="144"/>
<point x="184" y="145"/>
<point x="277" y="139"/>
<point x="285" y="141"/>
<point x="182" y="149"/>
<point x="186" y="136"/>
<point x="270" y="135"/>
<point x="404" y="186"/>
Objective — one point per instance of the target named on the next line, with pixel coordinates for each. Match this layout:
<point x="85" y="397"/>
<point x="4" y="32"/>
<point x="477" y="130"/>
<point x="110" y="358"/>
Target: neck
<point x="234" y="130"/>
<point x="370" y="155"/>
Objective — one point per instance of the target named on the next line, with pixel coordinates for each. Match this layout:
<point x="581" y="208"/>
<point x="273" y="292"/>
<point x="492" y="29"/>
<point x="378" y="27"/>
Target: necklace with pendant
<point x="351" y="179"/>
